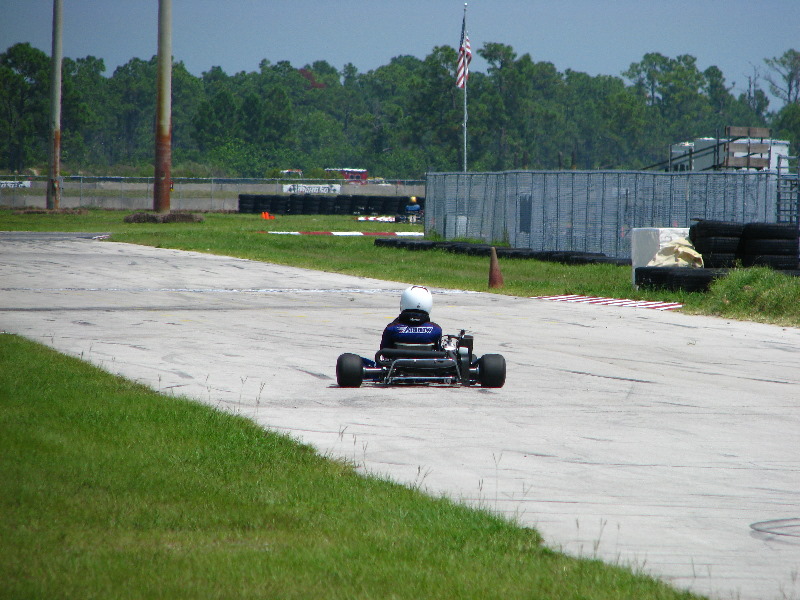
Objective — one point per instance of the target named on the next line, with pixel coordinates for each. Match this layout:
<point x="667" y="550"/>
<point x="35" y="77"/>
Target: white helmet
<point x="416" y="297"/>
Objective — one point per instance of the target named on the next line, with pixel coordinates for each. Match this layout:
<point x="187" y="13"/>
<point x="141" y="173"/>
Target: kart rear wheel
<point x="349" y="370"/>
<point x="492" y="370"/>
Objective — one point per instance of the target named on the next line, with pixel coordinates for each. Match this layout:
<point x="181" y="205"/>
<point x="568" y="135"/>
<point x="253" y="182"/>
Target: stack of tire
<point x="310" y="204"/>
<point x="246" y="203"/>
<point x="718" y="242"/>
<point x="772" y="245"/>
<point x="677" y="278"/>
<point x="279" y="205"/>
<point x="258" y="203"/>
<point x="722" y="244"/>
<point x="344" y="205"/>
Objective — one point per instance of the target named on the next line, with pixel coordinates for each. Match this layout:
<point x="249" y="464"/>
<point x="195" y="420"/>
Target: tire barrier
<point x="677" y="278"/>
<point x="723" y="244"/>
<point x="485" y="250"/>
<point x="772" y="245"/>
<point x="718" y="242"/>
<point x="247" y="204"/>
<point x="311" y="204"/>
<point x="667" y="278"/>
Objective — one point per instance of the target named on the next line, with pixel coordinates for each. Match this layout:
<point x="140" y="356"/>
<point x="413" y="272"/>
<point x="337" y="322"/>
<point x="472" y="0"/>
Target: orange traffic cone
<point x="495" y="276"/>
<point x="266" y="215"/>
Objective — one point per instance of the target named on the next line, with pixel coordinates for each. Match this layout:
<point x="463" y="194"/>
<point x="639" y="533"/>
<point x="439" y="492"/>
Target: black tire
<point x="779" y="263"/>
<point x="349" y="371"/>
<point x="720" y="260"/>
<point x="295" y="206"/>
<point x="479" y="250"/>
<point x="717" y="245"/>
<point x="327" y="205"/>
<point x="374" y="205"/>
<point x="706" y="229"/>
<point x="279" y="205"/>
<point x="420" y="244"/>
<point x="583" y="258"/>
<point x="610" y="260"/>
<point x="458" y="247"/>
<point x="359" y="206"/>
<point x="262" y="204"/>
<point x="770" y="231"/>
<point x="311" y="205"/>
<point x="652" y="277"/>
<point x="692" y="280"/>
<point x="492" y="370"/>
<point x="246" y="203"/>
<point x="344" y="205"/>
<point x="514" y="252"/>
<point x="776" y="247"/>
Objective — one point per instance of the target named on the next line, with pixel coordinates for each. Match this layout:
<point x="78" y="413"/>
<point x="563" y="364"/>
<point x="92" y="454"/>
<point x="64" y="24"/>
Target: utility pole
<point x="54" y="179"/>
<point x="163" y="162"/>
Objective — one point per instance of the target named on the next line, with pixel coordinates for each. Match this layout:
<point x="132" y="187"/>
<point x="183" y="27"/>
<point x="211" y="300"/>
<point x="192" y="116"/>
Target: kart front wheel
<point x="492" y="370"/>
<point x="349" y="370"/>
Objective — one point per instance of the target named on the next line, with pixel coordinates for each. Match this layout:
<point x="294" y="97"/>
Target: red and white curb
<point x="346" y="233"/>
<point x="611" y="301"/>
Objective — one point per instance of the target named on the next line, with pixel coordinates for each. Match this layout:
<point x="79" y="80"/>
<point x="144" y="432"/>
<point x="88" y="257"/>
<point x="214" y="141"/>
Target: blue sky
<point x="596" y="37"/>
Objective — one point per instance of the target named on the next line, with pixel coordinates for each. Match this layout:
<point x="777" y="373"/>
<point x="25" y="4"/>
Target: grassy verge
<point x="111" y="490"/>
<point x="751" y="294"/>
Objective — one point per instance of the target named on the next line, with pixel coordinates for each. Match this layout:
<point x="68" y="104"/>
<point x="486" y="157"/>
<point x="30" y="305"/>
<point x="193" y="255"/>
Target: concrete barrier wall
<point x="205" y="195"/>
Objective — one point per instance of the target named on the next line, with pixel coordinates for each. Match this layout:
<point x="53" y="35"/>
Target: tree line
<point x="400" y="120"/>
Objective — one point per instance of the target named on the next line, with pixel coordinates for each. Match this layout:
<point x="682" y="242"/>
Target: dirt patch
<point x="44" y="211"/>
<point x="145" y="217"/>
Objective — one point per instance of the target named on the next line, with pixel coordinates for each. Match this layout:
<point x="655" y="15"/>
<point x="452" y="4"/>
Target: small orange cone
<point x="495" y="276"/>
<point x="266" y="215"/>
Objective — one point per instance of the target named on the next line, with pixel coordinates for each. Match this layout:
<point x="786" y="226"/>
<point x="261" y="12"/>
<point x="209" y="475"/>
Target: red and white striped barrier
<point x="611" y="301"/>
<point x="346" y="233"/>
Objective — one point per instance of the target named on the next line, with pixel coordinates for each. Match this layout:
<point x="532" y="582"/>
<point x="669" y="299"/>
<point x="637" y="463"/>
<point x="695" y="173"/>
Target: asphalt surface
<point x="645" y="438"/>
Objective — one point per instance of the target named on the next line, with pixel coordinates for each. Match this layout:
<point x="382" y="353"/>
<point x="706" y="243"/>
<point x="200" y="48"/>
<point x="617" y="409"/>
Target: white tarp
<point x="677" y="253"/>
<point x="647" y="241"/>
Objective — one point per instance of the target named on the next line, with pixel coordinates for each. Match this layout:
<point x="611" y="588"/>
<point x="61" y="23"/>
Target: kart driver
<point x="413" y="325"/>
<point x="413" y="210"/>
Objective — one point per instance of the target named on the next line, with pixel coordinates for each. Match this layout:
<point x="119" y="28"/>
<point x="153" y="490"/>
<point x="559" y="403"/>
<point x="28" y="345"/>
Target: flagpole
<point x="466" y="79"/>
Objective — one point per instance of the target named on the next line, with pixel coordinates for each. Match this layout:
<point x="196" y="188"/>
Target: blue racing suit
<point x="411" y="327"/>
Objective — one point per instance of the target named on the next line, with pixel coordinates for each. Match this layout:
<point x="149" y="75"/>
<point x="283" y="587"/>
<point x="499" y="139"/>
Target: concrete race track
<point x="652" y="439"/>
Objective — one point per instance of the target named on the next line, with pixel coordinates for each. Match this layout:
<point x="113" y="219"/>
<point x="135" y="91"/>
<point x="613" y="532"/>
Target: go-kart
<point x="422" y="364"/>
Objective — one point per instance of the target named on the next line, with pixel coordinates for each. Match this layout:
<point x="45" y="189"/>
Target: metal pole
<point x="466" y="80"/>
<point x="465" y="125"/>
<point x="163" y="161"/>
<point x="54" y="180"/>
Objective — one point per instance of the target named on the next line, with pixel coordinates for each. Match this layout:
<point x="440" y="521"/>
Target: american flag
<point x="464" y="56"/>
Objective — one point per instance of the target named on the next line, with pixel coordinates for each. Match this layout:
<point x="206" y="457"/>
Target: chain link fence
<point x="589" y="211"/>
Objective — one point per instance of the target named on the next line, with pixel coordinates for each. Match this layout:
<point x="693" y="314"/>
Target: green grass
<point x="774" y="297"/>
<point x="242" y="235"/>
<point x="110" y="490"/>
